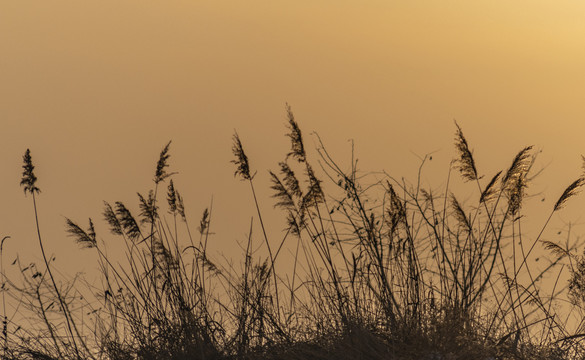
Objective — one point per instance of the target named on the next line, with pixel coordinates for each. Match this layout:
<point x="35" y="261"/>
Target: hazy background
<point x="96" y="88"/>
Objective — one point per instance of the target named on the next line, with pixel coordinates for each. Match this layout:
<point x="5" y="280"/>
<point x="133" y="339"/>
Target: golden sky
<point x="96" y="88"/>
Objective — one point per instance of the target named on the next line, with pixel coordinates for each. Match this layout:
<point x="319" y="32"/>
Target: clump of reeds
<point x="380" y="268"/>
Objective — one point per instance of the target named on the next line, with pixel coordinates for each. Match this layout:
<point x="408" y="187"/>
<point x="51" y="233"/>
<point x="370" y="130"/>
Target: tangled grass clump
<point x="381" y="269"/>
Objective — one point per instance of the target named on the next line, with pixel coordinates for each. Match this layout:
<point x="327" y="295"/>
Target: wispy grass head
<point x="204" y="222"/>
<point x="489" y="192"/>
<point x="519" y="167"/>
<point x="172" y="197"/>
<point x="465" y="163"/>
<point x="148" y="208"/>
<point x="515" y="193"/>
<point x="209" y="265"/>
<point x="161" y="173"/>
<point x="571" y="190"/>
<point x="29" y="179"/>
<point x="515" y="180"/>
<point x="315" y="193"/>
<point x="180" y="206"/>
<point x="243" y="165"/>
<point x="290" y="180"/>
<point x="284" y="198"/>
<point x="555" y="248"/>
<point x="287" y="191"/>
<point x="296" y="137"/>
<point x="127" y="221"/>
<point x="395" y="210"/>
<point x="460" y="216"/>
<point x="86" y="239"/>
<point x="289" y="194"/>
<point x="110" y="217"/>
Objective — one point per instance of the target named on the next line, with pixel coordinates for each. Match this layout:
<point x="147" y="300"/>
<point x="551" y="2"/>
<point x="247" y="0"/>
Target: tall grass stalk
<point x="29" y="183"/>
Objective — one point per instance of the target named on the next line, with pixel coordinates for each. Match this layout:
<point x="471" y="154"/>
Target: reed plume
<point x="172" y="197"/>
<point x="241" y="161"/>
<point x="288" y="193"/>
<point x="204" y="222"/>
<point x="29" y="179"/>
<point x="315" y="193"/>
<point x="465" y="161"/>
<point x="87" y="239"/>
<point x="148" y="208"/>
<point x="518" y="168"/>
<point x="180" y="206"/>
<point x="571" y="190"/>
<point x="460" y="216"/>
<point x="395" y="211"/>
<point x="555" y="248"/>
<point x="489" y="192"/>
<point x="127" y="221"/>
<point x="514" y="181"/>
<point x="161" y="174"/>
<point x="296" y="137"/>
<point x="515" y="193"/>
<point x="290" y="180"/>
<point x="112" y="219"/>
<point x="284" y="198"/>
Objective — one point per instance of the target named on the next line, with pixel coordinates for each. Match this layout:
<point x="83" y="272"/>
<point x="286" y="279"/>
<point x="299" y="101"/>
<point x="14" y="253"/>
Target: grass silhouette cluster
<point x="380" y="269"/>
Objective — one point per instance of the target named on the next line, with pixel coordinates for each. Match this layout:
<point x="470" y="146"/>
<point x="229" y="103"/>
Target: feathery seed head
<point x="555" y="248"/>
<point x="515" y="194"/>
<point x="396" y="205"/>
<point x="465" y="163"/>
<point x="290" y="180"/>
<point x="180" y="206"/>
<point x="284" y="198"/>
<point x="110" y="217"/>
<point x="86" y="239"/>
<point x="172" y="197"/>
<point x="209" y="265"/>
<point x="148" y="208"/>
<point x="315" y="193"/>
<point x="571" y="190"/>
<point x="127" y="221"/>
<point x="519" y="167"/>
<point x="296" y="225"/>
<point x="515" y="180"/>
<point x="29" y="179"/>
<point x="395" y="210"/>
<point x="91" y="230"/>
<point x="462" y="219"/>
<point x="241" y="161"/>
<point x="489" y="191"/>
<point x="160" y="173"/>
<point x="204" y="222"/>
<point x="296" y="137"/>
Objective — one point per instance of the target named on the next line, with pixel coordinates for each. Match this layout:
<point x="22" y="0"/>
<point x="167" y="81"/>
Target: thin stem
<point x="267" y="245"/>
<point x="64" y="307"/>
<point x="5" y="320"/>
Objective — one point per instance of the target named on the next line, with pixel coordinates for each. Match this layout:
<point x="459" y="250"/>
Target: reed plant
<point x="378" y="268"/>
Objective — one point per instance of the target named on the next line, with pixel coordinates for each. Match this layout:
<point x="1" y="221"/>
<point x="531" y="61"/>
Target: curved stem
<point x="64" y="307"/>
